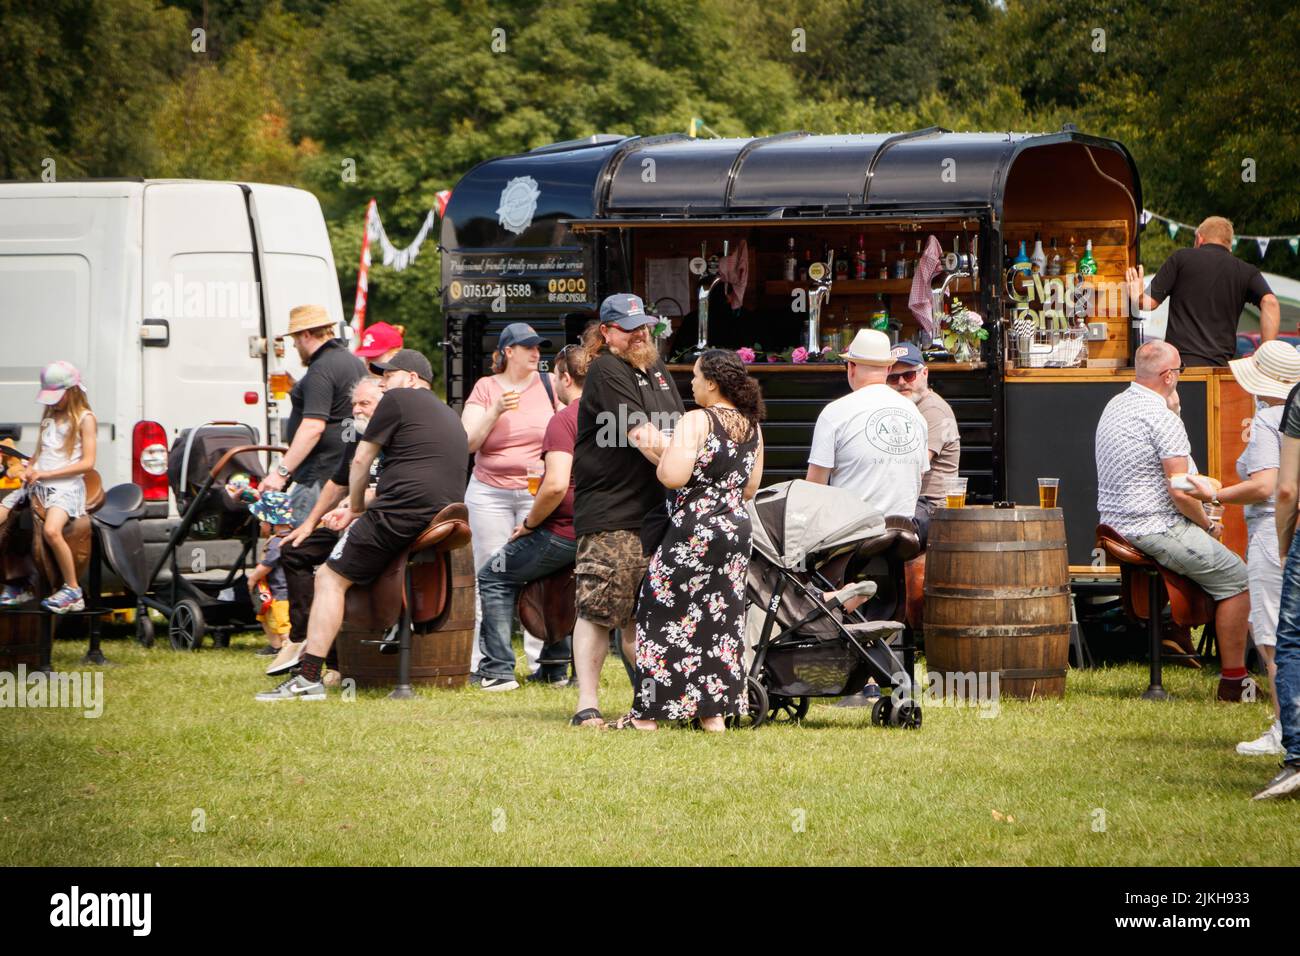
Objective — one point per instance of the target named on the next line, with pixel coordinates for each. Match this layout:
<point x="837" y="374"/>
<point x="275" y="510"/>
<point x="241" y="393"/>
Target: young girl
<point x="65" y="451"/>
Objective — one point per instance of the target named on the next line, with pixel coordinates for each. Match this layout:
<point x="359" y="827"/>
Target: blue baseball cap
<point x="273" y="508"/>
<point x="626" y="311"/>
<point x="907" y="354"/>
<point x="521" y="333"/>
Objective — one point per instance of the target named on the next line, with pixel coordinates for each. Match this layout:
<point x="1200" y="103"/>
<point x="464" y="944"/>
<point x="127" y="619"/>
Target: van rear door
<point x="202" y="308"/>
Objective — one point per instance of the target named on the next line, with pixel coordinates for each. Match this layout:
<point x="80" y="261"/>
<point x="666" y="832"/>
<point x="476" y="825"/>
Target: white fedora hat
<point x="1272" y="371"/>
<point x="870" y="348"/>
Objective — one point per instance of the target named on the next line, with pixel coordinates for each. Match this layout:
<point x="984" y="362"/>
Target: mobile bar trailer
<point x="543" y="236"/>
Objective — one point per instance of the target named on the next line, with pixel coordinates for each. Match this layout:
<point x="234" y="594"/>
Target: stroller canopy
<point x="797" y="518"/>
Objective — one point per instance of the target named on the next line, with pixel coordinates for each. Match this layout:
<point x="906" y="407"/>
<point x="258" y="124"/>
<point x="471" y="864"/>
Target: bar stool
<point x="1189" y="605"/>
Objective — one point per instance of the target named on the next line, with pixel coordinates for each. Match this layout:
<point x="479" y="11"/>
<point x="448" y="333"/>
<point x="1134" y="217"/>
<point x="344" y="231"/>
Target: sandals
<point x="625" y="723"/>
<point x="590" y="717"/>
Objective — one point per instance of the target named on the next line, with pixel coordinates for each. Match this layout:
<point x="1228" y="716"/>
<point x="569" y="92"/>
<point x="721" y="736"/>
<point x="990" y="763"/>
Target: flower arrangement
<point x="962" y="331"/>
<point x="757" y="355"/>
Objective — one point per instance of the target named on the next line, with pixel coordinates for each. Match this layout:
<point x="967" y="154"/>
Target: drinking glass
<point x="534" y="478"/>
<point x="1047" y="492"/>
<point x="957" y="493"/>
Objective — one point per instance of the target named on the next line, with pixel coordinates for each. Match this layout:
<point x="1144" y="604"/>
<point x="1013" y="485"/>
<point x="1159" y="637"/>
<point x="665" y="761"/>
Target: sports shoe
<point x="63" y="600"/>
<point x="538" y="677"/>
<point x="268" y="650"/>
<point x="498" y="683"/>
<point x="13" y="596"/>
<point x="296" y="687"/>
<point x="286" y="659"/>
<point x="1287" y="781"/>
<point x="1268" y="744"/>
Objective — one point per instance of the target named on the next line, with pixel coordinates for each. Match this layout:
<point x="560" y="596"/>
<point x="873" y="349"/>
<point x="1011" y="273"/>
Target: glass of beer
<point x="957" y="493"/>
<point x="534" y="478"/>
<point x="1047" y="489"/>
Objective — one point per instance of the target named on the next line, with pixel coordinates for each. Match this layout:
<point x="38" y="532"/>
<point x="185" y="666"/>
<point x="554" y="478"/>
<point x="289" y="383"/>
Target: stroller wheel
<point x="906" y="713"/>
<point x="758" y="706"/>
<point x="880" y="711"/>
<point x="143" y="628"/>
<point x="185" y="627"/>
<point x="792" y="709"/>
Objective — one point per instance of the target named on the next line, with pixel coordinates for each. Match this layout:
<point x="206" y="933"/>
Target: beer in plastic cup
<point x="1047" y="492"/>
<point x="956" y="495"/>
<point x="512" y="400"/>
<point x="534" y="479"/>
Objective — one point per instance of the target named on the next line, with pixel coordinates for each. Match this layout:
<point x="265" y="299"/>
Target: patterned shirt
<point x="1137" y="431"/>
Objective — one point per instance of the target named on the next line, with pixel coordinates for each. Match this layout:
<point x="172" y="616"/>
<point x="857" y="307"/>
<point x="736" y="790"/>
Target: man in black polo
<point x="1209" y="286"/>
<point x="321" y="401"/>
<point x="426" y="461"/>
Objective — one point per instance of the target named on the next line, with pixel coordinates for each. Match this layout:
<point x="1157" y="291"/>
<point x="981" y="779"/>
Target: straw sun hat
<point x="1272" y="371"/>
<point x="304" y="317"/>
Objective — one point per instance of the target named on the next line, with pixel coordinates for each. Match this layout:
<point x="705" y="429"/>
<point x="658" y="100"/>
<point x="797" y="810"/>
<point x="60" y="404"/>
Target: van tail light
<point x="278" y="385"/>
<point x="149" y="460"/>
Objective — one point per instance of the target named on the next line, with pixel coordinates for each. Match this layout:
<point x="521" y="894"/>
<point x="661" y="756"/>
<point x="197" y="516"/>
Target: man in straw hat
<point x="872" y="441"/>
<point x="1286" y="675"/>
<point x="1269" y="375"/>
<point x="321" y="404"/>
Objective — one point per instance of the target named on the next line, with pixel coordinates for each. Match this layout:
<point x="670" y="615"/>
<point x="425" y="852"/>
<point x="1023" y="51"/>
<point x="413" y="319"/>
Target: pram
<point x="811" y="539"/>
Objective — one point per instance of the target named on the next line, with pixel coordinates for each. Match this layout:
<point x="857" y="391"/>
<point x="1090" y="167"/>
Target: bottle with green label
<point x="880" y="317"/>
<point x="1088" y="265"/>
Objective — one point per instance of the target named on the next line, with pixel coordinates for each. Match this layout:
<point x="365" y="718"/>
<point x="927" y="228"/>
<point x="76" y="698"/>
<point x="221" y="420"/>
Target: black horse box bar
<point x="544" y="236"/>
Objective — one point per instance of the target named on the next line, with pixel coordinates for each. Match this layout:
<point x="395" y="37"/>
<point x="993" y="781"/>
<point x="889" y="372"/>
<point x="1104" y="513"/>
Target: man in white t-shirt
<point x="872" y="441"/>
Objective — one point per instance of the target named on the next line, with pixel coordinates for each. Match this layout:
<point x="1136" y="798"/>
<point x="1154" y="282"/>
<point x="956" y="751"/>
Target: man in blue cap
<point x="627" y="405"/>
<point x="910" y="378"/>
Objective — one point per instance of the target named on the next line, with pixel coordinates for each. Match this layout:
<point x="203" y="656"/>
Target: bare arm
<point x="1188" y="506"/>
<point x="1258" y="487"/>
<point x="678" y="460"/>
<point x="478" y="422"/>
<point x="650" y="441"/>
<point x="257" y="576"/>
<point x="359" y="475"/>
<point x="819" y="475"/>
<point x="755" y="476"/>
<point x="330" y="496"/>
<point x="1270" y="317"/>
<point x="1288" y="480"/>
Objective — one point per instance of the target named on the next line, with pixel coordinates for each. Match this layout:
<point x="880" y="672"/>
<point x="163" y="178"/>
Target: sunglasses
<point x="902" y="377"/>
<point x="1180" y="369"/>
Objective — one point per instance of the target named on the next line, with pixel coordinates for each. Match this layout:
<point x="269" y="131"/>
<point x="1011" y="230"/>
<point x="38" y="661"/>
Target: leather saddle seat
<point x="78" y="533"/>
<point x="377" y="606"/>
<point x="1189" y="604"/>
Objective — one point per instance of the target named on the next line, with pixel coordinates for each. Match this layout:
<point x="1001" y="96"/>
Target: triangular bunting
<point x="1234" y="243"/>
<point x="1173" y="229"/>
<point x="1262" y="242"/>
<point x="1146" y="217"/>
<point x="1294" y="243"/>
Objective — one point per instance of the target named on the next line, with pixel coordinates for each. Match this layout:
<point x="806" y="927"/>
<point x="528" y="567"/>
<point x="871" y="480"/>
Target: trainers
<point x="286" y="658"/>
<point x="498" y="683"/>
<point x="550" y="680"/>
<point x="296" y="687"/>
<point x="13" y="596"/>
<point x="269" y="650"/>
<point x="63" y="600"/>
<point x="1268" y="744"/>
<point x="1286" y="782"/>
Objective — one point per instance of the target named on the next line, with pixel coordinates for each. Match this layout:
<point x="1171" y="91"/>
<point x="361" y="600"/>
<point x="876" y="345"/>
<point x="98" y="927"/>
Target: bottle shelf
<point x="863" y="286"/>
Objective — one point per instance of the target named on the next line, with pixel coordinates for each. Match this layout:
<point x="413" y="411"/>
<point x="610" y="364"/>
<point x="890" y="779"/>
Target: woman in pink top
<point x="505" y="418"/>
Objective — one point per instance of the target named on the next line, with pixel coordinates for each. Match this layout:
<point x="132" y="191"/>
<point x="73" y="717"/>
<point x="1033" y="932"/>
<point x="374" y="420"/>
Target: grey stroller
<point x="809" y="540"/>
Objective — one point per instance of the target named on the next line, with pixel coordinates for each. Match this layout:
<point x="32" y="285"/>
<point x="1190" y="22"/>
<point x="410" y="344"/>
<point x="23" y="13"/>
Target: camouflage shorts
<point x="609" y="569"/>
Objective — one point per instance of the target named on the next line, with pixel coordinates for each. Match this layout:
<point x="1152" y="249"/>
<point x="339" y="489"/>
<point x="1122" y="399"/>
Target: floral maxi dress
<point x="690" y="620"/>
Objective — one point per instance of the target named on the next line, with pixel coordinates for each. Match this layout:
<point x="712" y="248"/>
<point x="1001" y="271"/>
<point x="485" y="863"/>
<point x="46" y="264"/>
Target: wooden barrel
<point x="440" y="652"/>
<point x="997" y="598"/>
<point x="22" y="641"/>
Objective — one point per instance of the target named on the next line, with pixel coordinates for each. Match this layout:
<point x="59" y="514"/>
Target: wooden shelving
<point x="863" y="286"/>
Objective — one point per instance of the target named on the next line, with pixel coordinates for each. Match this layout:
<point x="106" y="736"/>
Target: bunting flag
<point x="392" y="257"/>
<point x="1261" y="242"/>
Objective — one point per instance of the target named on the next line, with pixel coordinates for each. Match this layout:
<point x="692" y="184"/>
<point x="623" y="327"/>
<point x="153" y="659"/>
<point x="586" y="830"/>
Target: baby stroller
<point x="201" y="462"/>
<point x="811" y="539"/>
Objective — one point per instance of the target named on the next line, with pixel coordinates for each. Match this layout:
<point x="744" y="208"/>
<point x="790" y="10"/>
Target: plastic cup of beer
<point x="956" y="493"/>
<point x="1047" y="492"/>
<point x="534" y="478"/>
<point x="512" y="400"/>
<point x="1213" y="512"/>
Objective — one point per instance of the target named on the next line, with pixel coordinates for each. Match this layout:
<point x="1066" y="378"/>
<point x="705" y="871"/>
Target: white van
<point x="168" y="295"/>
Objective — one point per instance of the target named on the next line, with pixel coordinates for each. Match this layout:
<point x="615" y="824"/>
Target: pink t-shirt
<point x="515" y="441"/>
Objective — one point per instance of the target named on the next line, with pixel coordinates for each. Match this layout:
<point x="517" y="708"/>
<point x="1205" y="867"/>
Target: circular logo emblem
<point x="518" y="203"/>
<point x="893" y="432"/>
<point x="455" y="290"/>
<point x="699" y="266"/>
<point x="817" y="271"/>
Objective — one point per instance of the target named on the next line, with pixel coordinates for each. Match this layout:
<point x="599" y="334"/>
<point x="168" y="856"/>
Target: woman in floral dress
<point x="690" y="622"/>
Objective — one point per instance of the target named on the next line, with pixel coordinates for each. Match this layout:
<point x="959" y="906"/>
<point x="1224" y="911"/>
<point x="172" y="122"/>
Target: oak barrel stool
<point x="997" y="597"/>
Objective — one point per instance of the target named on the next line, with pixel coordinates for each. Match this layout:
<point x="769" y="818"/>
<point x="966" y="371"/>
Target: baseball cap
<point x="407" y="360"/>
<point x="869" y="347"/>
<point x="379" y="338"/>
<point x="272" y="507"/>
<point x="907" y="353"/>
<point x="520" y="333"/>
<point x="57" y="378"/>
<point x="626" y="311"/>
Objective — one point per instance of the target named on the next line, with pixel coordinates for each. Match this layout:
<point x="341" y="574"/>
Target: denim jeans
<point x="1287" y="654"/>
<point x="499" y="582"/>
<point x="302" y="498"/>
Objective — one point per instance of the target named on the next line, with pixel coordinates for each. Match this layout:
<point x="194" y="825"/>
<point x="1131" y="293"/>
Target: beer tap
<point x="819" y="293"/>
<point x="707" y="285"/>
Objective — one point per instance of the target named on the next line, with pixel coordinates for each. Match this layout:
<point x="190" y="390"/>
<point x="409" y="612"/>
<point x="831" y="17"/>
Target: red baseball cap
<point x="379" y="338"/>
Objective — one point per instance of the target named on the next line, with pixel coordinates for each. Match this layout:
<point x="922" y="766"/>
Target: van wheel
<point x="143" y="628"/>
<point x="185" y="627"/>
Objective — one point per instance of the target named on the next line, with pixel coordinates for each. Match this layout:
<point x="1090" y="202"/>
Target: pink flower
<point x="746" y="355"/>
<point x="799" y="355"/>
<point x="773" y="359"/>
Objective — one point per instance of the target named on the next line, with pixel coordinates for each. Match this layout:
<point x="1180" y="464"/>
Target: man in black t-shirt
<point x="1286" y="655"/>
<point x="1209" y="286"/>
<point x="426" y="459"/>
<point x="628" y="403"/>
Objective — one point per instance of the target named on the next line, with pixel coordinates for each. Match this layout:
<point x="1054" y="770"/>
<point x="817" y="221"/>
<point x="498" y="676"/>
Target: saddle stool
<point x="415" y="593"/>
<point x="1189" y="605"/>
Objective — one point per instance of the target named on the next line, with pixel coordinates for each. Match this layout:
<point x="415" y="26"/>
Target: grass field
<point x="184" y="767"/>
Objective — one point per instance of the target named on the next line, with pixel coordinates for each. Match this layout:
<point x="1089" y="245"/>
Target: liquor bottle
<point x="791" y="260"/>
<point x="1071" y="266"/>
<point x="884" y="264"/>
<point x="846" y="330"/>
<point x="915" y="263"/>
<point x="880" y="318"/>
<point x="1054" y="260"/>
<point x="803" y="269"/>
<point x="900" y="264"/>
<point x="1021" y="262"/>
<point x="1038" y="261"/>
<point x="841" y="266"/>
<point x="860" y="259"/>
<point x="1088" y="265"/>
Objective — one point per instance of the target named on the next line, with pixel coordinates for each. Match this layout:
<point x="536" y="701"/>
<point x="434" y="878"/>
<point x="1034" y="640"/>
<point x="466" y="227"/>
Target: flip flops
<point x="590" y="717"/>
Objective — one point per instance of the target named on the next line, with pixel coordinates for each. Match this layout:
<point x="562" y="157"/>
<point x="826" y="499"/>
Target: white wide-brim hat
<point x="870" y="347"/>
<point x="1272" y="371"/>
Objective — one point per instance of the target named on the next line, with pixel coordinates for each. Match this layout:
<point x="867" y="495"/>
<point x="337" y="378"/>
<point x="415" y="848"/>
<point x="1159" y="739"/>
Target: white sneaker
<point x="1268" y="744"/>
<point x="296" y="687"/>
<point x="286" y="659"/>
<point x="498" y="683"/>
